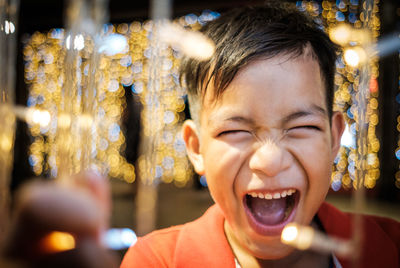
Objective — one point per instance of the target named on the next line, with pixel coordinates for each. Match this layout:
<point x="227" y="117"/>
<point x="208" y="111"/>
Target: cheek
<point x="316" y="161"/>
<point x="221" y="159"/>
<point x="222" y="165"/>
<point x="315" y="153"/>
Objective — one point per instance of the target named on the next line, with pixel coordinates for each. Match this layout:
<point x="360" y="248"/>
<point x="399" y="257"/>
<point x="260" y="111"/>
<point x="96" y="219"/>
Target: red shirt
<point x="202" y="243"/>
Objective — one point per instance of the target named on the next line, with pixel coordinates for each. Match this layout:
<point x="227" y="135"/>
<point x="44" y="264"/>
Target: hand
<point x="80" y="208"/>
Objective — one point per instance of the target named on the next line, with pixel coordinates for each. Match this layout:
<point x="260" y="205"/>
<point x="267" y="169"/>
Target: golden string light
<point x="167" y="160"/>
<point x="43" y="55"/>
<point x="344" y="21"/>
<point x="161" y="95"/>
<point x="130" y="70"/>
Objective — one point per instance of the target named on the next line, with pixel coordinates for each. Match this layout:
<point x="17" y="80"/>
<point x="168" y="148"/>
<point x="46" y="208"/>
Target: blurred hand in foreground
<point x="79" y="208"/>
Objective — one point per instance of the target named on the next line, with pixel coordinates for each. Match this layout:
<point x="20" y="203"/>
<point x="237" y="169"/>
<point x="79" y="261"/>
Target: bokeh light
<point x="130" y="70"/>
<point x="343" y="20"/>
<point x="125" y="66"/>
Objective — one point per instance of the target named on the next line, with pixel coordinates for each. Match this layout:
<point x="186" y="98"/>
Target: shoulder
<point x="381" y="236"/>
<point x="340" y="223"/>
<point x="390" y="228"/>
<point x="153" y="250"/>
<point x="382" y="240"/>
<point x="198" y="243"/>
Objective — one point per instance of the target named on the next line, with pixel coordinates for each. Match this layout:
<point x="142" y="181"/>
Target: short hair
<point x="245" y="34"/>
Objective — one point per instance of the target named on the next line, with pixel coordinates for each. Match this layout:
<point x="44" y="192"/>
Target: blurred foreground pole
<point x="149" y="178"/>
<point x="362" y="122"/>
<point x="77" y="122"/>
<point x="8" y="26"/>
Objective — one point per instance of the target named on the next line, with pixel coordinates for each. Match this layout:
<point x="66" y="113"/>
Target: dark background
<point x="177" y="205"/>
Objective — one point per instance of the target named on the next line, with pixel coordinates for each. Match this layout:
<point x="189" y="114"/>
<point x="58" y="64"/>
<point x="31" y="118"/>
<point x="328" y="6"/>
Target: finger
<point x="45" y="207"/>
<point x="87" y="255"/>
<point x="98" y="186"/>
<point x="51" y="207"/>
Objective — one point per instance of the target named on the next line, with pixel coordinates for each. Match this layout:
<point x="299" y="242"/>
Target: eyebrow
<point x="235" y="118"/>
<point x="313" y="110"/>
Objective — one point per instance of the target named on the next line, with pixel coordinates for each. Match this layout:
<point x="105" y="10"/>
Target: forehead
<point x="273" y="85"/>
<point x="216" y="81"/>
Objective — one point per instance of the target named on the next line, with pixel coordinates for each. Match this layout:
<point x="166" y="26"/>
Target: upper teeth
<point x="275" y="195"/>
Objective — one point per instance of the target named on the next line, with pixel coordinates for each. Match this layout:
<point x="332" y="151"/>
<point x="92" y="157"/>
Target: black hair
<point x="246" y="34"/>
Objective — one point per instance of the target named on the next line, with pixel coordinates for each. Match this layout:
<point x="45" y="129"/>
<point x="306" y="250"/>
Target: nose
<point x="269" y="158"/>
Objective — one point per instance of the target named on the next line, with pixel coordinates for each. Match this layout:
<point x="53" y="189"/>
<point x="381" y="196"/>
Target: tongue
<point x="269" y="212"/>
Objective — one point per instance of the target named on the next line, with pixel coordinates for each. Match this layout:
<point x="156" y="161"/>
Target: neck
<point x="294" y="259"/>
<point x="297" y="259"/>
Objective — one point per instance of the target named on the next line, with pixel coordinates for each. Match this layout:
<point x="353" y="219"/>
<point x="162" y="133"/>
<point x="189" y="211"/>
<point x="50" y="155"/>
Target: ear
<point x="337" y="128"/>
<point x="192" y="140"/>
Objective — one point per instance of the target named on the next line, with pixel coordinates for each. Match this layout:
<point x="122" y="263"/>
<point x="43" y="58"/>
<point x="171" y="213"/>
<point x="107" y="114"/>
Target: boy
<point x="265" y="136"/>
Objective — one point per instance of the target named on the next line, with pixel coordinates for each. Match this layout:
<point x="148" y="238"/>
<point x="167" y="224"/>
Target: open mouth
<point x="268" y="213"/>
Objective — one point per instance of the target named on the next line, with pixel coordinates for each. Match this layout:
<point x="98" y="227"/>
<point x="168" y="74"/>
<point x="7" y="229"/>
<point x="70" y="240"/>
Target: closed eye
<point x="311" y="127"/>
<point x="234" y="131"/>
<point x="302" y="131"/>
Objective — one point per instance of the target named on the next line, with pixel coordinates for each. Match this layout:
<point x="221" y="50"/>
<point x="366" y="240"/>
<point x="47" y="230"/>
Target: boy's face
<point x="266" y="148"/>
